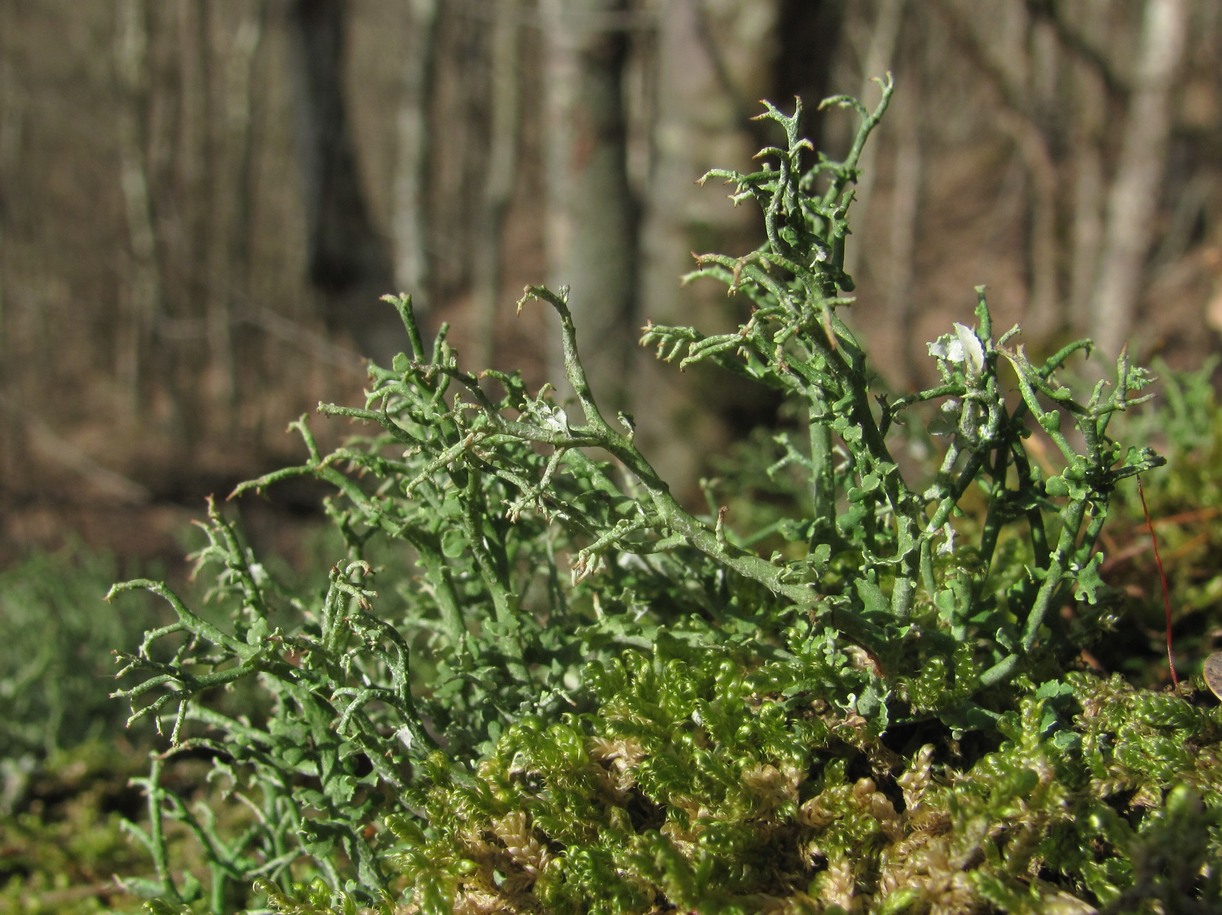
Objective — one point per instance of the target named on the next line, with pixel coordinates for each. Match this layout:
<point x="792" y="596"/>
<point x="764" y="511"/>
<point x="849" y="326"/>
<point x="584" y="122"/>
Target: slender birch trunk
<point x="409" y="216"/>
<point x="1136" y="189"/>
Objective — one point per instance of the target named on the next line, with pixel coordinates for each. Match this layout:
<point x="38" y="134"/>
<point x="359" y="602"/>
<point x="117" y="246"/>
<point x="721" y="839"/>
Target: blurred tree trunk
<point x="242" y="125"/>
<point x="197" y="299"/>
<point x="809" y="34"/>
<point x="1038" y="136"/>
<point x="1135" y="191"/>
<point x="142" y="292"/>
<point x="12" y="123"/>
<point x="592" y="234"/>
<point x="457" y="146"/>
<point x="349" y="263"/>
<point x="504" y="129"/>
<point x="210" y="72"/>
<point x="1087" y="97"/>
<point x="12" y="120"/>
<point x="410" y="190"/>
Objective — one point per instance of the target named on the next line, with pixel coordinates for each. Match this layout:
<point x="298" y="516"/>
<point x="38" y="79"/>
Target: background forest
<point x="202" y="201"/>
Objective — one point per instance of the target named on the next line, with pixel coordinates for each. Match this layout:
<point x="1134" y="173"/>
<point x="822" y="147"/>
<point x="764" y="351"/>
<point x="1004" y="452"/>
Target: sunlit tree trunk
<point x="410" y="199"/>
<point x="1086" y="94"/>
<point x="1135" y="191"/>
<point x="1046" y="312"/>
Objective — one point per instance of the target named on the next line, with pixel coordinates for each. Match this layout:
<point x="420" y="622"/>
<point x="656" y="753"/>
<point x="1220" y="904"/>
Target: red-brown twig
<point x="1175" y="680"/>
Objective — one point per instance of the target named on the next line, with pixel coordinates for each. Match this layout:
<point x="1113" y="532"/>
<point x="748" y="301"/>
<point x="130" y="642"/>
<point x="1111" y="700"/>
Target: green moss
<point x="1098" y="794"/>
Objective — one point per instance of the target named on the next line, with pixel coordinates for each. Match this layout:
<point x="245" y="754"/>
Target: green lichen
<point x="537" y="682"/>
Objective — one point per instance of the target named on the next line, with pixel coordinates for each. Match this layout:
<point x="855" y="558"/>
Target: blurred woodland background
<point x="202" y="200"/>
